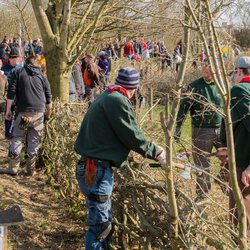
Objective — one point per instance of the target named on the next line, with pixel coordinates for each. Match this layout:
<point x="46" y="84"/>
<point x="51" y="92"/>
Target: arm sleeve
<point x="124" y="125"/>
<point x="47" y="91"/>
<point x="77" y="78"/>
<point x="223" y="138"/>
<point x="185" y="106"/>
<point x="12" y="86"/>
<point x="240" y="105"/>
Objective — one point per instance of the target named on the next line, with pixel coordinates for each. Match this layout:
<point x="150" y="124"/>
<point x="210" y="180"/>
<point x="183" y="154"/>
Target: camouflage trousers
<point x="30" y="135"/>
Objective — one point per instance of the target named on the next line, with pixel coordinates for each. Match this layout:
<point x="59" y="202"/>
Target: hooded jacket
<point x="30" y="89"/>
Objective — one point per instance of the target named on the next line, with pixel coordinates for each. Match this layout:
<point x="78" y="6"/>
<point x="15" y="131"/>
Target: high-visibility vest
<point x="87" y="80"/>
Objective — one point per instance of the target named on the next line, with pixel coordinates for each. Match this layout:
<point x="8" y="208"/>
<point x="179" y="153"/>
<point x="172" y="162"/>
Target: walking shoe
<point x="11" y="216"/>
<point x="10" y="171"/>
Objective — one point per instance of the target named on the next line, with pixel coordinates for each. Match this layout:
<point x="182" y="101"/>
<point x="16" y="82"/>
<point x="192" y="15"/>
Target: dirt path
<point x="47" y="226"/>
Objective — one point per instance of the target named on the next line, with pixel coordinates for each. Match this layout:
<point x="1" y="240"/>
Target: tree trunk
<point x="58" y="74"/>
<point x="58" y="71"/>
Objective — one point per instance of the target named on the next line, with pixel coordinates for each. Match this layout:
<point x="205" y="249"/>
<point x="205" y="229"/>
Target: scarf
<point x="118" y="88"/>
<point x="245" y="79"/>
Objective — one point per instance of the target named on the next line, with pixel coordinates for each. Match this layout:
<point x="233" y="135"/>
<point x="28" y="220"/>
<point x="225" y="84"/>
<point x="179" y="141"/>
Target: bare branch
<point x="80" y="25"/>
<point x="42" y="20"/>
<point x="65" y="25"/>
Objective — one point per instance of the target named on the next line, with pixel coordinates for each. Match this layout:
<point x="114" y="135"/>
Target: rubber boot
<point x="31" y="166"/>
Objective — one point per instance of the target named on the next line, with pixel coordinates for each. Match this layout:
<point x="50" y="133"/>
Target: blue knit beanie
<point x="128" y="78"/>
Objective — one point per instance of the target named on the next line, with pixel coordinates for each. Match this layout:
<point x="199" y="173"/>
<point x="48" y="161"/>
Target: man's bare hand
<point x="48" y="111"/>
<point x="245" y="177"/>
<point x="8" y="115"/>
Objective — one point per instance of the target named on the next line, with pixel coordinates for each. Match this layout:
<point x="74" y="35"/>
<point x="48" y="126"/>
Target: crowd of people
<point x="13" y="52"/>
<point x="96" y="69"/>
<point x="102" y="148"/>
<point x="139" y="50"/>
<point x="91" y="71"/>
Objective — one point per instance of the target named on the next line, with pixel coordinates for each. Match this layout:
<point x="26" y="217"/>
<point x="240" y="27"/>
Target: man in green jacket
<point x="203" y="101"/>
<point x="107" y="134"/>
<point x="240" y="111"/>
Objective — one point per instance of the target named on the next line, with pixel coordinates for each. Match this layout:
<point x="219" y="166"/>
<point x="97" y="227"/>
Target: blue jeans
<point x="130" y="57"/>
<point x="98" y="212"/>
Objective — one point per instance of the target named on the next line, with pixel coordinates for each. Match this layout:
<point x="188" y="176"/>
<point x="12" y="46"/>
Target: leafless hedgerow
<point x="140" y="200"/>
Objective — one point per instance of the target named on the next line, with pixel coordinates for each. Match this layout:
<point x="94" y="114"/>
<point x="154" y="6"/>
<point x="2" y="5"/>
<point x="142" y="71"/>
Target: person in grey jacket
<point x="76" y="85"/>
<point x="78" y="78"/>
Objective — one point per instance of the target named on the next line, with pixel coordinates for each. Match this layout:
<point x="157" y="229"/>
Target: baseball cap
<point x="14" y="52"/>
<point x="243" y="62"/>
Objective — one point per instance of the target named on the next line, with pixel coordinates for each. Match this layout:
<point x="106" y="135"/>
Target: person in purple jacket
<point x="105" y="67"/>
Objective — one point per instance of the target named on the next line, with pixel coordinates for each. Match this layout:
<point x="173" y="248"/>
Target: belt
<point x="98" y="163"/>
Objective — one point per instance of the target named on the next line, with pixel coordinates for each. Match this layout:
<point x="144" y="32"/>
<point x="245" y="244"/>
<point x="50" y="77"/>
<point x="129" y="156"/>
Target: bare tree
<point x="66" y="25"/>
<point x="21" y="6"/>
<point x="59" y="43"/>
<point x="15" y="11"/>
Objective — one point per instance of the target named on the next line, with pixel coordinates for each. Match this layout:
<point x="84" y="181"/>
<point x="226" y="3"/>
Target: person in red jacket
<point x="128" y="50"/>
<point x="137" y="57"/>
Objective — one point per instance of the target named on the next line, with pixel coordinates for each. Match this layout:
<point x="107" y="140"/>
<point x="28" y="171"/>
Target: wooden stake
<point x="3" y="238"/>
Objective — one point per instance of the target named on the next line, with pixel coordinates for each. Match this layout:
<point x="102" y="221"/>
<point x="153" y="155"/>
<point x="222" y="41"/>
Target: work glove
<point x="222" y="154"/>
<point x="24" y="122"/>
<point x="177" y="134"/>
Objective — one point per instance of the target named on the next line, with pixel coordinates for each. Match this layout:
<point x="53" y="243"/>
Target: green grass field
<point x="154" y="131"/>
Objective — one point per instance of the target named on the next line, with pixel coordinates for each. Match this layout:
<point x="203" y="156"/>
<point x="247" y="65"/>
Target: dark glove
<point x="224" y="177"/>
<point x="177" y="134"/>
<point x="45" y="119"/>
<point x="24" y="122"/>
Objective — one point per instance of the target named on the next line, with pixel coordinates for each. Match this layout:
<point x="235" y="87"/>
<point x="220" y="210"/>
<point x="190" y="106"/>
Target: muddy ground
<point x="47" y="225"/>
